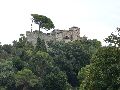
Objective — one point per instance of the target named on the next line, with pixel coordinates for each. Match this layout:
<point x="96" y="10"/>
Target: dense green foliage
<point x="25" y="78"/>
<point x="43" y="21"/>
<point x="103" y="73"/>
<point x="25" y="67"/>
<point x="79" y="65"/>
<point x="40" y="45"/>
<point x="114" y="38"/>
<point x="71" y="57"/>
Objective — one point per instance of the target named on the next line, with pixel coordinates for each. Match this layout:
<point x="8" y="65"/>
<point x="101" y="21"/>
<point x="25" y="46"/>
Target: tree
<point x="6" y="51"/>
<point x="51" y="77"/>
<point x="22" y="49"/>
<point x="6" y="74"/>
<point x="7" y="48"/>
<point x="103" y="72"/>
<point x="70" y="58"/>
<point x="18" y="64"/>
<point x="89" y="45"/>
<point x="23" y="43"/>
<point x="56" y="80"/>
<point x="43" y="22"/>
<point x="41" y="63"/>
<point x="114" y="38"/>
<point x="40" y="45"/>
<point x="26" y="79"/>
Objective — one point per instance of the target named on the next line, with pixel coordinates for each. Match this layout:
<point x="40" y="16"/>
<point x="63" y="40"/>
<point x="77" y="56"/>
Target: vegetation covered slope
<point x="79" y="65"/>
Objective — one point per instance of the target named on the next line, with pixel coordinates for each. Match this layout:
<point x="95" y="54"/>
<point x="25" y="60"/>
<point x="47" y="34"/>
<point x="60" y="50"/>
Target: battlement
<point x="56" y="35"/>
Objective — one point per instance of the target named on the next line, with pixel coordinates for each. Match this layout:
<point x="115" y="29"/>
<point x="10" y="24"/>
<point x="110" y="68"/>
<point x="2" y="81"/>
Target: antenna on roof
<point x="31" y="24"/>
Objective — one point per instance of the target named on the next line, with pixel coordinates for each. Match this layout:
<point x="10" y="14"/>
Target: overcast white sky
<point x="96" y="18"/>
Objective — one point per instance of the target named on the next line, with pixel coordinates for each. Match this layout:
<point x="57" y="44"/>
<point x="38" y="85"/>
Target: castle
<point x="56" y="35"/>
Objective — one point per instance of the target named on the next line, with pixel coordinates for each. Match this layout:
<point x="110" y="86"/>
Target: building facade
<point x="56" y="35"/>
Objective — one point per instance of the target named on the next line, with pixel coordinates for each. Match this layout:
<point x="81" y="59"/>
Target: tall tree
<point x="114" y="38"/>
<point x="43" y="21"/>
<point x="104" y="71"/>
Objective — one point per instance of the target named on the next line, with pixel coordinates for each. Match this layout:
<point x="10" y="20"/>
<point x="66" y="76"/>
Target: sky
<point x="95" y="18"/>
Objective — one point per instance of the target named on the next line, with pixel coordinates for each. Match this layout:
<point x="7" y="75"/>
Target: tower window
<point x="66" y="37"/>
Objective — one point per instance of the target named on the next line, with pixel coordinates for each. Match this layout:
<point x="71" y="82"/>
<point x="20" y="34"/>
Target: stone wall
<point x="56" y="35"/>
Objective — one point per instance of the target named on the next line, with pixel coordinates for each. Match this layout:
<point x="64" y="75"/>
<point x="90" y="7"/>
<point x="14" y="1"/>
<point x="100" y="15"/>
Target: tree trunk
<point x="25" y="88"/>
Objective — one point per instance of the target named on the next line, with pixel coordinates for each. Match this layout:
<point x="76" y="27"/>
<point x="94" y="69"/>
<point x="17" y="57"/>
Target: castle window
<point x="48" y="33"/>
<point x="66" y="37"/>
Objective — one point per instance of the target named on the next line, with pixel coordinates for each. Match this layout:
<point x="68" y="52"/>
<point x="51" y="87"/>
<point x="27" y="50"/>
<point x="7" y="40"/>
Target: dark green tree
<point x="70" y="58"/>
<point x="22" y="48"/>
<point x="41" y="63"/>
<point x="56" y="80"/>
<point x="6" y="74"/>
<point x="40" y="45"/>
<point x="7" y="48"/>
<point x="18" y="64"/>
<point x="103" y="72"/>
<point x="43" y="22"/>
<point x="114" y="38"/>
<point x="25" y="78"/>
<point x="23" y="43"/>
<point x="6" y="51"/>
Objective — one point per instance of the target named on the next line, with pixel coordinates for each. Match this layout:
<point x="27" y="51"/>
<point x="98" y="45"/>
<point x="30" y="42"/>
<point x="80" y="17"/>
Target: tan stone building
<point x="56" y="35"/>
